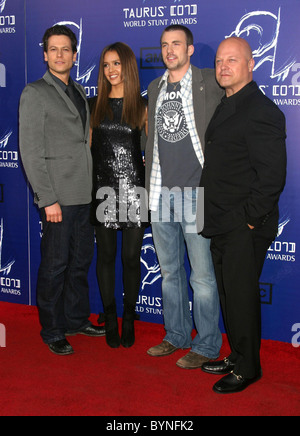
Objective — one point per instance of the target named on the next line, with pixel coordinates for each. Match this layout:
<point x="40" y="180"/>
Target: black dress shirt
<point x="75" y="97"/>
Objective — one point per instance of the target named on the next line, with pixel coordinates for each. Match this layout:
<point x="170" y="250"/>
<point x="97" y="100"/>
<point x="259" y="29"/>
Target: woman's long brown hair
<point x="134" y="111"/>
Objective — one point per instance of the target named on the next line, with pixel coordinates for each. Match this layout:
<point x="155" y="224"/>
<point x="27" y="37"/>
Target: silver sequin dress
<point x="119" y="174"/>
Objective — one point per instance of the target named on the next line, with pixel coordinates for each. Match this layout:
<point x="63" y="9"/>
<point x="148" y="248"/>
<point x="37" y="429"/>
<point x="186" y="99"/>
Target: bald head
<point x="241" y="44"/>
<point x="234" y="64"/>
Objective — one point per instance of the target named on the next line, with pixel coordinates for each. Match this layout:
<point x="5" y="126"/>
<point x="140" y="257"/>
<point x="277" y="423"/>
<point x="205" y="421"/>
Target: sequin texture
<point x="119" y="174"/>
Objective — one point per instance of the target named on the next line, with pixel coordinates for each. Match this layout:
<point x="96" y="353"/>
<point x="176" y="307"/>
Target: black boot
<point x="111" y="326"/>
<point x="128" y="336"/>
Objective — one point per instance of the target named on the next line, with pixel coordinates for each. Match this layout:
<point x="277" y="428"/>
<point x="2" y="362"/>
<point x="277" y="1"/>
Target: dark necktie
<point x="78" y="102"/>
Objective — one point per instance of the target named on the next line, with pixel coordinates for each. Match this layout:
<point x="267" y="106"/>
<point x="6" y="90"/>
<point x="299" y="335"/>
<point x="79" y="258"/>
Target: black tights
<point x="132" y="240"/>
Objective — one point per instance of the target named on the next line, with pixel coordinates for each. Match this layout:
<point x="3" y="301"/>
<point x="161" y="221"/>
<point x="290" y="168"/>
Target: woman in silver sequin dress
<point x="118" y="117"/>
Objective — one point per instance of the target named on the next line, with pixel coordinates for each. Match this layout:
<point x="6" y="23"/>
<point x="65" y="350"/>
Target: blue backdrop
<point x="271" y="27"/>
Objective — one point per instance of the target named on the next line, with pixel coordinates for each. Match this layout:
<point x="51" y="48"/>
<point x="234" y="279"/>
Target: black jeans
<point x="67" y="250"/>
<point x="238" y="258"/>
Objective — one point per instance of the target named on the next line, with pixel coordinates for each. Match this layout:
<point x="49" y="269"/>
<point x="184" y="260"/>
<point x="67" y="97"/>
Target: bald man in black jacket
<point x="243" y="177"/>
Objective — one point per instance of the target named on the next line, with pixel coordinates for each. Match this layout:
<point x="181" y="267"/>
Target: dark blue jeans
<point x="67" y="250"/>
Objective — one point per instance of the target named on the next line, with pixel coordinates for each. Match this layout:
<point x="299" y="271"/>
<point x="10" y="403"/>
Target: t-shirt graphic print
<point x="179" y="164"/>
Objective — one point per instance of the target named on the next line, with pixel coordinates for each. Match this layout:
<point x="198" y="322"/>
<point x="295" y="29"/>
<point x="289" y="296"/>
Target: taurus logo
<point x="2" y="5"/>
<point x="149" y="260"/>
<point x="4" y="140"/>
<point x="263" y="28"/>
<point x="282" y="225"/>
<point x="6" y="268"/>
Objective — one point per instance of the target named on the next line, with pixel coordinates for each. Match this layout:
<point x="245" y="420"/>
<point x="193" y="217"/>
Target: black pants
<point x="238" y="258"/>
<point x="67" y="250"/>
<point x="132" y="240"/>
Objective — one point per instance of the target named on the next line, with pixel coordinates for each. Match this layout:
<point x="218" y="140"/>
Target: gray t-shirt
<point x="179" y="164"/>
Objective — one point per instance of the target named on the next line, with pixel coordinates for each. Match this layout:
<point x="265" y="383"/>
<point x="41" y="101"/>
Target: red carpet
<point x="100" y="381"/>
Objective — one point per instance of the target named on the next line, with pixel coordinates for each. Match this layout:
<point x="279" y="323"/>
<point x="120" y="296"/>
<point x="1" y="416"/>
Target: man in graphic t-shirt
<point x="174" y="141"/>
<point x="181" y="104"/>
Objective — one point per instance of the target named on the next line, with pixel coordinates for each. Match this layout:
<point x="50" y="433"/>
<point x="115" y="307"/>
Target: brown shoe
<point x="192" y="361"/>
<point x="163" y="349"/>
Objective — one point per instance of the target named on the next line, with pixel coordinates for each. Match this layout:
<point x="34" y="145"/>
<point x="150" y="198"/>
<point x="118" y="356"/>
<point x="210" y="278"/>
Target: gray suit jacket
<point x="54" y="146"/>
<point x="206" y="97"/>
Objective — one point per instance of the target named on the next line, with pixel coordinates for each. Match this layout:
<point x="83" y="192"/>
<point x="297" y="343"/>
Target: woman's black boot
<point x="111" y="326"/>
<point x="128" y="336"/>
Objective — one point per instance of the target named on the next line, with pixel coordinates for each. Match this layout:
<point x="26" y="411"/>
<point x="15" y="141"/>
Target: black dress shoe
<point x="61" y="348"/>
<point x="232" y="383"/>
<point x="219" y="367"/>
<point x="93" y="331"/>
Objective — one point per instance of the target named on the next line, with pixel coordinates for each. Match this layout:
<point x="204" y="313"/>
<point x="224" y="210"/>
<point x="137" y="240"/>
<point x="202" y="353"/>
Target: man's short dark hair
<point x="175" y="27"/>
<point x="60" y="30"/>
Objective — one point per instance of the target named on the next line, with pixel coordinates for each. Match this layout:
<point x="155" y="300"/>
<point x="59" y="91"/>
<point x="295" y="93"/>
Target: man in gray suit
<point x="54" y="145"/>
<point x="181" y="104"/>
